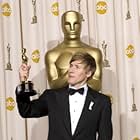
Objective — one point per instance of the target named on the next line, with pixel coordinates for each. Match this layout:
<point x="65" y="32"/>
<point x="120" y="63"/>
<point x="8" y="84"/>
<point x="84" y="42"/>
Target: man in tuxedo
<point x="75" y="112"/>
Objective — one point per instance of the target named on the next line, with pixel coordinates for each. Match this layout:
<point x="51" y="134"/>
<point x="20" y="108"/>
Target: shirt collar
<point x="83" y="86"/>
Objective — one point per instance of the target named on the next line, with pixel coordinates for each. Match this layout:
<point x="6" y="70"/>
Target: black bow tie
<point x="71" y="91"/>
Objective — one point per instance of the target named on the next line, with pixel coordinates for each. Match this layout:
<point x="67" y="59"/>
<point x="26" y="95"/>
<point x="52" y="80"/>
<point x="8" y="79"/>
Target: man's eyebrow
<point x="81" y="62"/>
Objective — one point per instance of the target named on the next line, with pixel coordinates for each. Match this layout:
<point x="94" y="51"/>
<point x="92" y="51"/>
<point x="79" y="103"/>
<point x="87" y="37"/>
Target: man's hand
<point x="24" y="72"/>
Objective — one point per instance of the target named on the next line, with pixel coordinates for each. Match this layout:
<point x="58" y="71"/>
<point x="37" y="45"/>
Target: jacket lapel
<point x="63" y="100"/>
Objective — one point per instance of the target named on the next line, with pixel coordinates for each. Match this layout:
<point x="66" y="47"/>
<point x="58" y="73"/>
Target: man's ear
<point x="89" y="73"/>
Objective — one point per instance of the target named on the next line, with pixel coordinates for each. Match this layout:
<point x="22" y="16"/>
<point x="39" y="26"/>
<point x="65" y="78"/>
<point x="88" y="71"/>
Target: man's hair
<point x="86" y="59"/>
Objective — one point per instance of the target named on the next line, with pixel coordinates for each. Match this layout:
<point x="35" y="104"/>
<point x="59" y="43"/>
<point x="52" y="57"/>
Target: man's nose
<point x="71" y="70"/>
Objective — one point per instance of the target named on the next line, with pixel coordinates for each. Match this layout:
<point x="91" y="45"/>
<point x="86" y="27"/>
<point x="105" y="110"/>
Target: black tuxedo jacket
<point x="95" y="118"/>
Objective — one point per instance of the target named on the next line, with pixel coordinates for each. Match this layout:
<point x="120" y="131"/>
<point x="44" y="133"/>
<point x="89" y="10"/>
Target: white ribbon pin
<point x="91" y="105"/>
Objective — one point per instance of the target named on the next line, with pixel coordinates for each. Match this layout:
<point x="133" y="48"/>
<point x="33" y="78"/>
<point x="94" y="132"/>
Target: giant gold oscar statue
<point x="57" y="59"/>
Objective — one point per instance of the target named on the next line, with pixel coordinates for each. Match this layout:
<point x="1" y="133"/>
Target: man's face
<point x="71" y="25"/>
<point x="78" y="74"/>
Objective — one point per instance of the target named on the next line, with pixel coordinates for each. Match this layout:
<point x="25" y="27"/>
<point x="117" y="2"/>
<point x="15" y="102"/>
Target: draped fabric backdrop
<point x="112" y="26"/>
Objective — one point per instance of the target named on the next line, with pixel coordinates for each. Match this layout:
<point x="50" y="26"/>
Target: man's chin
<point x="71" y="83"/>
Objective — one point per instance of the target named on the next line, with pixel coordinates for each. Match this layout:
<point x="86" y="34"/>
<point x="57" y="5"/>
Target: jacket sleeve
<point x="30" y="109"/>
<point x="105" y="125"/>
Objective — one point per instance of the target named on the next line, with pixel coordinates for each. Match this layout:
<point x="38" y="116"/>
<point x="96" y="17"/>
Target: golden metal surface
<point x="57" y="59"/>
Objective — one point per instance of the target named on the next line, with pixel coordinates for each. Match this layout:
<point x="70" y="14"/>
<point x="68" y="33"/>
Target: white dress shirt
<point x="76" y="104"/>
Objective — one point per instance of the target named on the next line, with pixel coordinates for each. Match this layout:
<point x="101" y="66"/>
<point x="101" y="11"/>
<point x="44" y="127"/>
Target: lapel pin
<point x="91" y="105"/>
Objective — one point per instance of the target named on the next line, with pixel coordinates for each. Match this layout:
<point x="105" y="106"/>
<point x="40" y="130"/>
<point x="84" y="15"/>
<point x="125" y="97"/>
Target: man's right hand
<point x="24" y="72"/>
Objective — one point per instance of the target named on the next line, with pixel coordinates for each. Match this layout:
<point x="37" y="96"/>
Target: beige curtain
<point x="112" y="26"/>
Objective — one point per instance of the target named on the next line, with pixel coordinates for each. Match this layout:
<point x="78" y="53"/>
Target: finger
<point x="25" y="67"/>
<point x="29" y="66"/>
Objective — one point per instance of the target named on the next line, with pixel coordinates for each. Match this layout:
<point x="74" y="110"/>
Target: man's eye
<point x="77" y="67"/>
<point x="70" y="65"/>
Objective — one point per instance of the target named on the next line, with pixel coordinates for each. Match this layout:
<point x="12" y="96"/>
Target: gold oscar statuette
<point x="27" y="86"/>
<point x="134" y="108"/>
<point x="57" y="70"/>
<point x="105" y="61"/>
<point x="8" y="65"/>
<point x="128" y="15"/>
<point x="34" y="18"/>
<point x="79" y="6"/>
